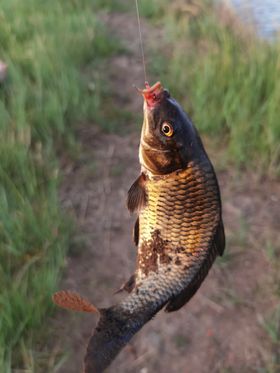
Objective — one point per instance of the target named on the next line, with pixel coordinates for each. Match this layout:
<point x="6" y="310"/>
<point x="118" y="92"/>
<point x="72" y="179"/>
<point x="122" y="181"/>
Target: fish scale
<point x="171" y="208"/>
<point x="178" y="228"/>
<point x="178" y="232"/>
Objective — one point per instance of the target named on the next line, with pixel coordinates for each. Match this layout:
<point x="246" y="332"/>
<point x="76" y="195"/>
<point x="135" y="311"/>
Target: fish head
<point x="169" y="141"/>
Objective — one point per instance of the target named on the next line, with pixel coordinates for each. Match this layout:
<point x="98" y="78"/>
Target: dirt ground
<point x="221" y="329"/>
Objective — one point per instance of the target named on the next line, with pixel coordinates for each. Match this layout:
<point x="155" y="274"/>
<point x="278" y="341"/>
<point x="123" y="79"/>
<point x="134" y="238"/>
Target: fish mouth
<point x="152" y="94"/>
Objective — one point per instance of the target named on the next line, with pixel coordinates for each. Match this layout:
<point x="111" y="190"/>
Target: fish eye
<point x="167" y="129"/>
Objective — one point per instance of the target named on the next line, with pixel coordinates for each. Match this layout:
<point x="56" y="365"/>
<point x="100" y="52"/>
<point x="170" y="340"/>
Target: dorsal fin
<point x="137" y="196"/>
<point x="219" y="239"/>
<point x="73" y="301"/>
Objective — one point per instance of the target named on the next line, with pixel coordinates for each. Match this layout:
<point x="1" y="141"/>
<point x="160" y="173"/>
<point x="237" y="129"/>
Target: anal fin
<point x="128" y="285"/>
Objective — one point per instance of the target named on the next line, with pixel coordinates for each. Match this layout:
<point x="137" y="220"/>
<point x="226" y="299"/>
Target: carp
<point x="178" y="232"/>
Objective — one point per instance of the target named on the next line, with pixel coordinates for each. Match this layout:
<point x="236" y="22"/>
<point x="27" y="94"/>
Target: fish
<point x="178" y="233"/>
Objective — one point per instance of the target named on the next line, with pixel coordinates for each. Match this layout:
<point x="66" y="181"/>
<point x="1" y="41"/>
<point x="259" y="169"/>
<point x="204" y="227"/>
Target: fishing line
<point x="141" y="41"/>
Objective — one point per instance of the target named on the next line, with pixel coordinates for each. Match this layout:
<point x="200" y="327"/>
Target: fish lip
<point x="152" y="94"/>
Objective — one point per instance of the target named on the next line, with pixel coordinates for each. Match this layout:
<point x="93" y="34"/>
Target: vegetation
<point x="47" y="47"/>
<point x="55" y="54"/>
<point x="225" y="76"/>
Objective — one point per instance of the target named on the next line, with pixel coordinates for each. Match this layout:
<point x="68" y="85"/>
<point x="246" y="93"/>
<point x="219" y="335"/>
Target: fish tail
<point x="114" y="330"/>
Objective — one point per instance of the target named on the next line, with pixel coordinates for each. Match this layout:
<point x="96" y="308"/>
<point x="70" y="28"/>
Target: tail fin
<point x="113" y="332"/>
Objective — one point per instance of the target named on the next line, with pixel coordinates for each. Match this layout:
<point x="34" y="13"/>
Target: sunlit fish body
<point x="178" y="232"/>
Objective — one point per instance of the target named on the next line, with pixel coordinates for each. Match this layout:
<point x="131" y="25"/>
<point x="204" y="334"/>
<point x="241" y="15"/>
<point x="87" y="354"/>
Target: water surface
<point x="265" y="14"/>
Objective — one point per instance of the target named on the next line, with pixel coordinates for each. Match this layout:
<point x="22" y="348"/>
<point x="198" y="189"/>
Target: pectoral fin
<point x="137" y="196"/>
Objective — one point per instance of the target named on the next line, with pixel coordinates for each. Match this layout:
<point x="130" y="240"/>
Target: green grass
<point x="226" y="79"/>
<point x="54" y="51"/>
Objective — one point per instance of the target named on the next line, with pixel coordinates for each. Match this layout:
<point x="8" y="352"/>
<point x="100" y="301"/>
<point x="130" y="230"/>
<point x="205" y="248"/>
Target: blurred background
<point x="70" y="123"/>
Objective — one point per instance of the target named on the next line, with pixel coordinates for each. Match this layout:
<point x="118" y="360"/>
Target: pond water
<point x="265" y="14"/>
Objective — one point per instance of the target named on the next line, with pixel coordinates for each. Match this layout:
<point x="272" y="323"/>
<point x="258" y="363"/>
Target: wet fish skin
<point x="185" y="209"/>
<point x="178" y="232"/>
